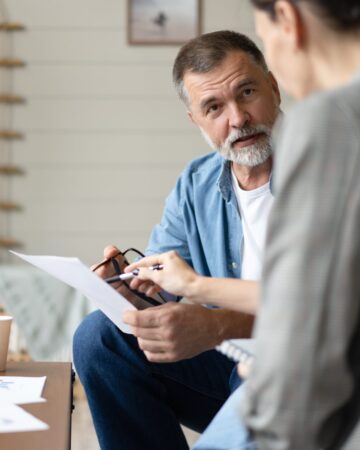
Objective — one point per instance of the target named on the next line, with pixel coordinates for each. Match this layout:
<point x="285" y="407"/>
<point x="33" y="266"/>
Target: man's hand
<point x="173" y="332"/>
<point x="105" y="269"/>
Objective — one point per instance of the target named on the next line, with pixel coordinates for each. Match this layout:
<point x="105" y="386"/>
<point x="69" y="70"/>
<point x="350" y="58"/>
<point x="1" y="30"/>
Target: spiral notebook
<point x="238" y="350"/>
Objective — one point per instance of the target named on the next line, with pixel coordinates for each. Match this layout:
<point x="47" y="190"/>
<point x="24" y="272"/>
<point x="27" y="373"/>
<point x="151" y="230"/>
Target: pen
<point x="130" y="275"/>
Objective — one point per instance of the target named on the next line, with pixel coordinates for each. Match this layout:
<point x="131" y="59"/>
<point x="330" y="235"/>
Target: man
<point x="216" y="219"/>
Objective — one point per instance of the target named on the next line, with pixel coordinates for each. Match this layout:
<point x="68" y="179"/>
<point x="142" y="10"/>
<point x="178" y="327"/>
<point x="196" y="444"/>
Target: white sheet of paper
<point x="74" y="273"/>
<point x="21" y="390"/>
<point x="15" y="419"/>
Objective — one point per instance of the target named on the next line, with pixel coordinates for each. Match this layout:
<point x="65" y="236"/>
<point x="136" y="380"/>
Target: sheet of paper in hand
<point x="76" y="274"/>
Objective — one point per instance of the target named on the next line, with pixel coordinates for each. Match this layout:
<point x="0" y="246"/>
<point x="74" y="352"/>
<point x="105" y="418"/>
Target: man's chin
<point x="247" y="156"/>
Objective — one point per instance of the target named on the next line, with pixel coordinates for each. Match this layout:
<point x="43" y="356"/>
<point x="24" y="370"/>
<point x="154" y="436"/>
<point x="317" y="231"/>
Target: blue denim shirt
<point x="201" y="219"/>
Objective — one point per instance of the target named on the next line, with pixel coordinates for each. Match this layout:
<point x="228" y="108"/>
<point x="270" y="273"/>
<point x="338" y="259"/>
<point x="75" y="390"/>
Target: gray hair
<point x="208" y="51"/>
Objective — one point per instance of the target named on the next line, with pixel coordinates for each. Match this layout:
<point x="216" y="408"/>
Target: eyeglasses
<point x="118" y="263"/>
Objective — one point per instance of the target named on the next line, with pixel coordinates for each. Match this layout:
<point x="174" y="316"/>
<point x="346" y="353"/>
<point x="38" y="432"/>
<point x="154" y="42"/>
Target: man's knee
<point x="89" y="339"/>
<point x="99" y="345"/>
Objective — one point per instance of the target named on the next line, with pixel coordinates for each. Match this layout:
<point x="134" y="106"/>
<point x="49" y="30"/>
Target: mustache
<point x="246" y="132"/>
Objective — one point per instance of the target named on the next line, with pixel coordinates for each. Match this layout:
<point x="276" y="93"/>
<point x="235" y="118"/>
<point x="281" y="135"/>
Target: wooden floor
<point x="83" y="435"/>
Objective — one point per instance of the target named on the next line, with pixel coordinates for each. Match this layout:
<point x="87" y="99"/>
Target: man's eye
<point x="248" y="92"/>
<point x="212" y="108"/>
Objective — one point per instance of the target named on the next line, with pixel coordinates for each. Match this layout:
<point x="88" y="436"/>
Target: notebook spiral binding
<point x="235" y="353"/>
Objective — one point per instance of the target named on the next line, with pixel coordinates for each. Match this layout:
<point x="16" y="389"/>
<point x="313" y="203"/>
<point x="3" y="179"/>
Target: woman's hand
<point x="177" y="277"/>
<point x="244" y="369"/>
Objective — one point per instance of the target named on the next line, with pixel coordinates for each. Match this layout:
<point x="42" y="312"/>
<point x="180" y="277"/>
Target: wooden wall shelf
<point x="7" y="242"/>
<point x="11" y="63"/>
<point x="11" y="99"/>
<point x="10" y="206"/>
<point x="10" y="134"/>
<point x="11" y="26"/>
<point x="11" y="170"/>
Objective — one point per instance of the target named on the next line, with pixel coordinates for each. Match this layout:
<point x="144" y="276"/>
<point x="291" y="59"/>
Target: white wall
<point x="106" y="136"/>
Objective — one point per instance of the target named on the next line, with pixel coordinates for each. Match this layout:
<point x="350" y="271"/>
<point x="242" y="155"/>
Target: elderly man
<point x="216" y="219"/>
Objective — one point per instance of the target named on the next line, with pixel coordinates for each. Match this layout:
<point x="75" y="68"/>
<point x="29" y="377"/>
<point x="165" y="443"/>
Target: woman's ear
<point x="290" y="21"/>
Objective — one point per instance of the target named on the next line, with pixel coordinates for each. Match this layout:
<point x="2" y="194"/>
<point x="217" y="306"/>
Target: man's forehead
<point x="235" y="62"/>
<point x="237" y="65"/>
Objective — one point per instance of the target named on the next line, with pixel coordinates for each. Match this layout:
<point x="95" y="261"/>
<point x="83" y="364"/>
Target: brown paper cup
<point x="5" y="325"/>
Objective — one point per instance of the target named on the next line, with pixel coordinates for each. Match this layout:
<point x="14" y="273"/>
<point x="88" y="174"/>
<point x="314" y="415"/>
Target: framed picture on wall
<point x="163" y="22"/>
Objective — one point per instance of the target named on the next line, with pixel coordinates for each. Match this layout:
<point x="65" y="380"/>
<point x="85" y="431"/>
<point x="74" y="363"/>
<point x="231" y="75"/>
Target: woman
<point x="304" y="391"/>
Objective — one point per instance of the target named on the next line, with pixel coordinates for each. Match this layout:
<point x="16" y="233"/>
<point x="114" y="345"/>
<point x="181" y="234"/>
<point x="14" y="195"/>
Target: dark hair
<point x="206" y="52"/>
<point x="344" y="15"/>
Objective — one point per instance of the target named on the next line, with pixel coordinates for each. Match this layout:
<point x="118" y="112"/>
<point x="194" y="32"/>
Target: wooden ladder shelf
<point x="10" y="134"/>
<point x="11" y="170"/>
<point x="11" y="99"/>
<point x="11" y="26"/>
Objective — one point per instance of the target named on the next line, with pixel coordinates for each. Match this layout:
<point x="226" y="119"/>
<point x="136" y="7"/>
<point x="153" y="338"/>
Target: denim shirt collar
<point x="224" y="181"/>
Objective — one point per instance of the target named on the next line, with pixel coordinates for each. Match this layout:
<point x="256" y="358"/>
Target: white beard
<point x="252" y="155"/>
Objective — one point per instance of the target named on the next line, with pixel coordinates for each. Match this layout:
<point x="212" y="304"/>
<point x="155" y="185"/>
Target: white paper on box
<point x="21" y="390"/>
<point x="14" y="419"/>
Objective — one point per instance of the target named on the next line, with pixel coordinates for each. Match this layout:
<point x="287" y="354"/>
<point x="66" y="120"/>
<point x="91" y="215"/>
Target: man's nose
<point x="238" y="116"/>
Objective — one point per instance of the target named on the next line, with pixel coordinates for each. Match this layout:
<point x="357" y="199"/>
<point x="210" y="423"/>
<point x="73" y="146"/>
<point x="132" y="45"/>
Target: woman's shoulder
<point x="321" y="126"/>
<point x="332" y="107"/>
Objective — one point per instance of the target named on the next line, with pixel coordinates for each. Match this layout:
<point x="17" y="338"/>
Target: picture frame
<point x="163" y="22"/>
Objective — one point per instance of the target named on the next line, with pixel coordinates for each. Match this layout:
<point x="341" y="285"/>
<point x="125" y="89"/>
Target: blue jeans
<point x="138" y="405"/>
<point x="227" y="431"/>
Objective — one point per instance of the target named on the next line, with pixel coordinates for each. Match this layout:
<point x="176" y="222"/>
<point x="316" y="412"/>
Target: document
<point x="21" y="390"/>
<point x="74" y="273"/>
<point x="14" y="419"/>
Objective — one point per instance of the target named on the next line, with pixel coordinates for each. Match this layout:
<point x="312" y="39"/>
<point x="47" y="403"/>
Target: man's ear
<point x="275" y="87"/>
<point x="289" y="18"/>
<point x="190" y="116"/>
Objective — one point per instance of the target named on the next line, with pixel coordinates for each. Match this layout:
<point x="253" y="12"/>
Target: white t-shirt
<point x="254" y="207"/>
